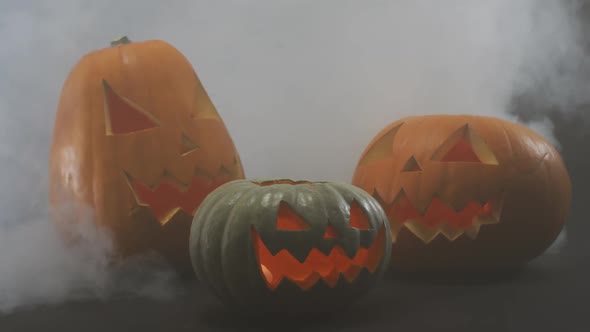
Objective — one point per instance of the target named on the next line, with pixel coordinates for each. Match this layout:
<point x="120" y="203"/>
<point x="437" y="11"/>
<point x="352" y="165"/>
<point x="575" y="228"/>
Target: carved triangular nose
<point x="187" y="145"/>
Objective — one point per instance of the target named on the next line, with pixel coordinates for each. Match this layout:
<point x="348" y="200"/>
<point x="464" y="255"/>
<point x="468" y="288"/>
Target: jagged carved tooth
<point x="453" y="204"/>
<point x="395" y="227"/>
<point x="169" y="216"/>
<point x="277" y="279"/>
<point x="223" y="170"/>
<point x="486" y="220"/>
<point x="307" y="281"/>
<point x="303" y="255"/>
<point x="130" y="180"/>
<point x="401" y="195"/>
<point x="495" y="214"/>
<point x="332" y="277"/>
<point x="167" y="174"/>
<point x="352" y="272"/>
<point x="422" y="231"/>
<point x="329" y="264"/>
<point x="200" y="172"/>
<point x="482" y="202"/>
<point x="422" y="209"/>
<point x="496" y="207"/>
<point x="472" y="231"/>
<point x="450" y="232"/>
<point x="377" y="196"/>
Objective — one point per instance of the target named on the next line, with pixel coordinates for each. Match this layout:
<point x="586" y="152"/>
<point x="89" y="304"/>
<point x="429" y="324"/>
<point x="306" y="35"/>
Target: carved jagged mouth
<point x="440" y="219"/>
<point x="170" y="196"/>
<point x="317" y="265"/>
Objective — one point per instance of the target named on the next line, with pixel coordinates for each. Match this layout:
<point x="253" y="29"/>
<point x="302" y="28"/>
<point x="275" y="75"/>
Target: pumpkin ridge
<point x="335" y="192"/>
<point x="232" y="222"/>
<point x="209" y="207"/>
<point x="508" y="141"/>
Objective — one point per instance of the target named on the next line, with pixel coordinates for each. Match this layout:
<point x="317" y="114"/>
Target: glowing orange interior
<point x="289" y="220"/>
<point x="168" y="195"/>
<point x="461" y="152"/>
<point x="438" y="213"/>
<point x="122" y="116"/>
<point x="330" y="232"/>
<point x="317" y="265"/>
<point x="358" y="219"/>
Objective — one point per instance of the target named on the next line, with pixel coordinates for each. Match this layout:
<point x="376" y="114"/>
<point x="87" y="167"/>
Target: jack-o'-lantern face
<point x="173" y="178"/>
<point x="137" y="138"/>
<point x="453" y="177"/>
<point x="290" y="244"/>
<point x="452" y="206"/>
<point x="325" y="257"/>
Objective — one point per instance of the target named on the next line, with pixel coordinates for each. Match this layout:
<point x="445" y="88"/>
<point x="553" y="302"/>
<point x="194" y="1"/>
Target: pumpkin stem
<point x="120" y="41"/>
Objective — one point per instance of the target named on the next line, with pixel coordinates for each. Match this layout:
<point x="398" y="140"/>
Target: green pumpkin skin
<point x="222" y="246"/>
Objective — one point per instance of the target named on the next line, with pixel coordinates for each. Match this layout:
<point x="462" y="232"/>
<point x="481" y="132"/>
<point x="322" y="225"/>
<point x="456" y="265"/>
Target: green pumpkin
<point x="284" y="245"/>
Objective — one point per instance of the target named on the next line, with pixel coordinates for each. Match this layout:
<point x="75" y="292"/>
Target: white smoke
<point x="38" y="267"/>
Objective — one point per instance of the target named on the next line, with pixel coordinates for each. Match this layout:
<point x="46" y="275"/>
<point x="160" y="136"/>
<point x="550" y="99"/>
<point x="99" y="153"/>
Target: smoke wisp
<point x="40" y="267"/>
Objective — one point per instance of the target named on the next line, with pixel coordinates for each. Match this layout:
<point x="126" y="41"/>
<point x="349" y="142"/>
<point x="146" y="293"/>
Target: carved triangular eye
<point x="412" y="165"/>
<point x="358" y="219"/>
<point x="465" y="146"/>
<point x="122" y="116"/>
<point x="289" y="220"/>
<point x="461" y="151"/>
<point x="188" y="145"/>
<point x="382" y="148"/>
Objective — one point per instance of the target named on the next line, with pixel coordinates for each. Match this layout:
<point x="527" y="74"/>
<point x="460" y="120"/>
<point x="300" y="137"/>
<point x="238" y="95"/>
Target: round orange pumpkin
<point x="465" y="192"/>
<point x="137" y="139"/>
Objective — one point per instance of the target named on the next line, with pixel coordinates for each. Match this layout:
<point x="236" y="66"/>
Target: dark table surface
<point x="550" y="294"/>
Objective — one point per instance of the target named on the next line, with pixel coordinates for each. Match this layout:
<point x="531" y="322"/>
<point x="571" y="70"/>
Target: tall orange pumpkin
<point x="137" y="139"/>
<point x="465" y="192"/>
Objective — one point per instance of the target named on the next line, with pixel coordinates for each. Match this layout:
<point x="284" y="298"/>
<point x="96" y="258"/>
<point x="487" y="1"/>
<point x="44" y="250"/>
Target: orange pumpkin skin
<point x="465" y="192"/>
<point x="137" y="139"/>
